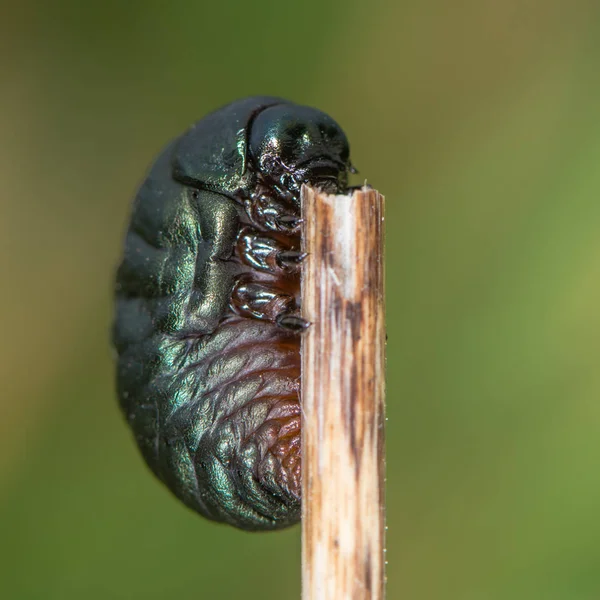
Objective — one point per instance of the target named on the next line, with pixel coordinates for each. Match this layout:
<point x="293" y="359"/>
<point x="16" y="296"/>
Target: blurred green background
<point x="479" y="121"/>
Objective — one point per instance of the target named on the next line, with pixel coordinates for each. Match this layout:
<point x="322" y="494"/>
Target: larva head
<point x="292" y="145"/>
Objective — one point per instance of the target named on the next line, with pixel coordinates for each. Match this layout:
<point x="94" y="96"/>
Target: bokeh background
<point x="479" y="120"/>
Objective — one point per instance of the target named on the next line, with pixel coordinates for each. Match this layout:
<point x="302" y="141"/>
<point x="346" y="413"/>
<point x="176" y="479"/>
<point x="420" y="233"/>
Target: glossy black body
<point x="207" y="308"/>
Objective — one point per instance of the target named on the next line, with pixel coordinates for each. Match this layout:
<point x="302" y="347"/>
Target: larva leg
<point x="273" y="214"/>
<point x="265" y="302"/>
<point x="266" y="253"/>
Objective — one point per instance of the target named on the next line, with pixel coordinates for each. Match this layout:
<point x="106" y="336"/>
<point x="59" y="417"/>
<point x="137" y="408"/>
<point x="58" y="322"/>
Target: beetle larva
<point x="207" y="312"/>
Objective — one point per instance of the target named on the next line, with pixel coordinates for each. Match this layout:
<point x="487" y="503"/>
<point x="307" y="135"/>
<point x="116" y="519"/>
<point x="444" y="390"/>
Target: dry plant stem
<point x="343" y="464"/>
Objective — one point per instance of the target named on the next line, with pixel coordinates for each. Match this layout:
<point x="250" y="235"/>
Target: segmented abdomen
<point x="213" y="398"/>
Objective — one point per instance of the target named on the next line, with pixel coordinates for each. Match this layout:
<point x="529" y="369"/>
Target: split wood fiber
<point x="343" y="364"/>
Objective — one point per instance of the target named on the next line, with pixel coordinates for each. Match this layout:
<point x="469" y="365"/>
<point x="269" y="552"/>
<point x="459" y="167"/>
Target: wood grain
<point x="343" y="364"/>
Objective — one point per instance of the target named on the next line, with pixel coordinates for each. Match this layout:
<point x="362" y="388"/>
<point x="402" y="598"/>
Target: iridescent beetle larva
<point x="207" y="307"/>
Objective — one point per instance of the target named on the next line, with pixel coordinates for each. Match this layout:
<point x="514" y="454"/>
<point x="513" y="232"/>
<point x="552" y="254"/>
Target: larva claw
<point x="292" y="322"/>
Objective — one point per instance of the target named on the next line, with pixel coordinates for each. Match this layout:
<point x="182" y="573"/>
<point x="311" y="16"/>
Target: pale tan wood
<point x="343" y="364"/>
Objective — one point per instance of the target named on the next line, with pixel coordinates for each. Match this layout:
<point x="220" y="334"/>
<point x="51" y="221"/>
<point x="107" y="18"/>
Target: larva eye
<point x="207" y="324"/>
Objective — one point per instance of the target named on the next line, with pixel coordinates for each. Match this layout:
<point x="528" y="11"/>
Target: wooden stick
<point x="343" y="354"/>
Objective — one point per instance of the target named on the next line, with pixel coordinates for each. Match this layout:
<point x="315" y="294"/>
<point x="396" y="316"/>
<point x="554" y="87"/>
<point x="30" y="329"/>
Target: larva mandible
<point x="207" y="307"/>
